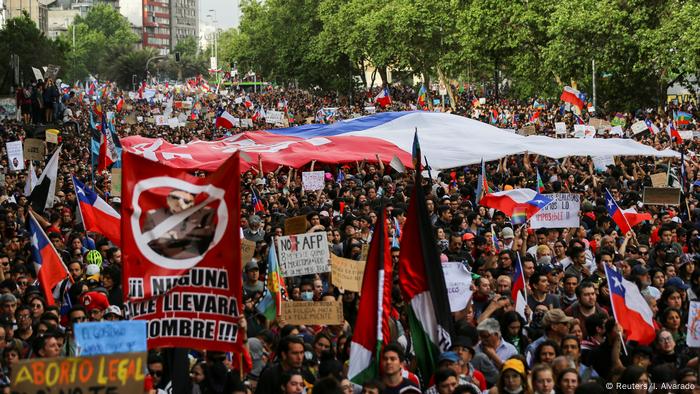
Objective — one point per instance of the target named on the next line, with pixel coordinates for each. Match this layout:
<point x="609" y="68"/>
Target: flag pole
<point x="612" y="305"/>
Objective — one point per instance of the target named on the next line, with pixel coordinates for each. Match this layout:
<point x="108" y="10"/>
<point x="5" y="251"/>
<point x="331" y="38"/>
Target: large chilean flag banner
<point x="181" y="243"/>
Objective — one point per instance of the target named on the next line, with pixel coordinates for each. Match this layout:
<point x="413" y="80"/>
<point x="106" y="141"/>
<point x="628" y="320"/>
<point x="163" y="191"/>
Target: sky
<point x="227" y="13"/>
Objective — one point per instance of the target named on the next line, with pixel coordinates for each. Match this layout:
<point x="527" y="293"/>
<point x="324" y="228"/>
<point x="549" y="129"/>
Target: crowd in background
<point x="570" y="342"/>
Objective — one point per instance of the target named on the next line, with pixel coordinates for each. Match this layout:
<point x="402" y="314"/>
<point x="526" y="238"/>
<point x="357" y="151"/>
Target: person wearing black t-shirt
<point x="391" y="371"/>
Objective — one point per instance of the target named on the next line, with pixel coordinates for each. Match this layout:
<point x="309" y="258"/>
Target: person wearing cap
<point x="255" y="231"/>
<point x="586" y="304"/>
<point x="464" y="348"/>
<point x="95" y="303"/>
<point x="508" y="237"/>
<point x="556" y="327"/>
<point x="492" y="350"/>
<point x="512" y="379"/>
<point x="253" y="285"/>
<point x="113" y="313"/>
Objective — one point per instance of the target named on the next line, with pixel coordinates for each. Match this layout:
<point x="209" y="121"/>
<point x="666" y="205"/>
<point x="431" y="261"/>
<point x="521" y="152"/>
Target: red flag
<point x="47" y="262"/>
<point x="180" y="242"/>
<point x="120" y="104"/>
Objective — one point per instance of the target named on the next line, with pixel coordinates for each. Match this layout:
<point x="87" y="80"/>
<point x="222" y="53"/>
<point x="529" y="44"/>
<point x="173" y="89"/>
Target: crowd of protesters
<point x="569" y="343"/>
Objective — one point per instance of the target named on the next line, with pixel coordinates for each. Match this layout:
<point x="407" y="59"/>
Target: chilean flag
<point x="630" y="308"/>
<point x="47" y="262"/>
<point x="508" y="201"/>
<point x="98" y="216"/>
<point x="225" y="120"/>
<point x="625" y="219"/>
<point x="651" y="126"/>
<point x="535" y="117"/>
<point x="519" y="291"/>
<point x="258" y="205"/>
<point x="383" y="98"/>
<point x="120" y="104"/>
<point x="673" y="133"/>
<point x="573" y="97"/>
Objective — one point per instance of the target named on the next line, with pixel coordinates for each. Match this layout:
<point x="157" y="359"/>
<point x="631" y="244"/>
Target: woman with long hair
<point x="567" y="381"/>
<point x="542" y="379"/>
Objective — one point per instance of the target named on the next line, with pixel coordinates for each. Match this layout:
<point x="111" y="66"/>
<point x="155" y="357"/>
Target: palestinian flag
<point x="423" y="284"/>
<point x="375" y="304"/>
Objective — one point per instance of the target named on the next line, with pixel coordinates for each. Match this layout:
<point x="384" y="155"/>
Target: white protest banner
<point x="274" y="117"/>
<point x="110" y="337"/>
<point x="238" y="100"/>
<point x="601" y="163"/>
<point x="370" y="109"/>
<point x="686" y="134"/>
<point x="303" y="254"/>
<point x="236" y="122"/>
<point x="482" y="100"/>
<point x="562" y="212"/>
<point x="160" y="120"/>
<point x="247" y="123"/>
<point x="589" y="132"/>
<point x="616" y="130"/>
<point x="15" y="155"/>
<point x="396" y="164"/>
<point x="458" y="281"/>
<point x="347" y="274"/>
<point x="639" y="126"/>
<point x="579" y="131"/>
<point x="693" y="337"/>
<point x="312" y="180"/>
<point x="560" y="128"/>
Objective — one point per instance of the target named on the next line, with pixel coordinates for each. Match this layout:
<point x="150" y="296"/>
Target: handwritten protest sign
<point x="34" y="149"/>
<point x="116" y="373"/>
<point x="15" y="155"/>
<point x="370" y="109"/>
<point x="639" y="126"/>
<point x="347" y="274"/>
<point x="601" y="163"/>
<point x="364" y="252"/>
<point x="312" y="180"/>
<point x="295" y="225"/>
<point x="274" y="117"/>
<point x="52" y="136"/>
<point x="160" y="120"/>
<point x="560" y="128"/>
<point x="458" y="281"/>
<point x="563" y="211"/>
<point x="247" y="251"/>
<point x="599" y="124"/>
<point x="662" y="196"/>
<point x="693" y="337"/>
<point x="528" y="130"/>
<point x="307" y="312"/>
<point x="303" y="254"/>
<point x="659" y="179"/>
<point x="97" y="338"/>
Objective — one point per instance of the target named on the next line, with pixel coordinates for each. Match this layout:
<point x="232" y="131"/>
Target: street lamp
<point x="157" y="57"/>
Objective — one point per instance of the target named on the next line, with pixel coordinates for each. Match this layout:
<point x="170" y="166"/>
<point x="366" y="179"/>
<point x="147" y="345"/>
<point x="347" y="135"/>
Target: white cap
<point x="92" y="269"/>
<point x="114" y="309"/>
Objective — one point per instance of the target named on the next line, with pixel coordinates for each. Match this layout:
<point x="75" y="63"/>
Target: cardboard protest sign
<point x="15" y="155"/>
<point x="313" y="180"/>
<point x="52" y="136"/>
<point x="51" y="71"/>
<point x="312" y="312"/>
<point x="274" y="117"/>
<point x="599" y="124"/>
<point x="116" y="189"/>
<point x="364" y="252"/>
<point x="693" y="337"/>
<point x="458" y="281"/>
<point x="303" y="254"/>
<point x="110" y="337"/>
<point x="347" y="274"/>
<point x="659" y="180"/>
<point x="662" y="196"/>
<point x="34" y="149"/>
<point x="560" y="128"/>
<point x="115" y="373"/>
<point x="639" y="127"/>
<point x="247" y="251"/>
<point x="528" y="130"/>
<point x="131" y="118"/>
<point x="562" y="212"/>
<point x="295" y="225"/>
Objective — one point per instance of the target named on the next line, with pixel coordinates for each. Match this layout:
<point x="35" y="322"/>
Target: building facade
<point x="184" y="20"/>
<point x="37" y="10"/>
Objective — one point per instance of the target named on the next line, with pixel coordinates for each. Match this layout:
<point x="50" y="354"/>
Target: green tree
<point x="124" y="67"/>
<point x="102" y="36"/>
<point x="21" y="37"/>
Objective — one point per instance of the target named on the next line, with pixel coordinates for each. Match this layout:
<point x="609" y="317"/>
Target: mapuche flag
<point x="375" y="304"/>
<point x="422" y="282"/>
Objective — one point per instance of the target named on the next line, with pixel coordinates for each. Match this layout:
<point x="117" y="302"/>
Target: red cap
<point x="94" y="300"/>
<point x="467" y="236"/>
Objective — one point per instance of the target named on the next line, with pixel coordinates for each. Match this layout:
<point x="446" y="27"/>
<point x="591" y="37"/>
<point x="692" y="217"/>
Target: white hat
<point x="114" y="310"/>
<point x="92" y="269"/>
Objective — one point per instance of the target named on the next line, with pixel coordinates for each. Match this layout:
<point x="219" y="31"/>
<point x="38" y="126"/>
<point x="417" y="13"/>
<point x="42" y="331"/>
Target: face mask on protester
<point x="307" y="296"/>
<point x="544" y="260"/>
